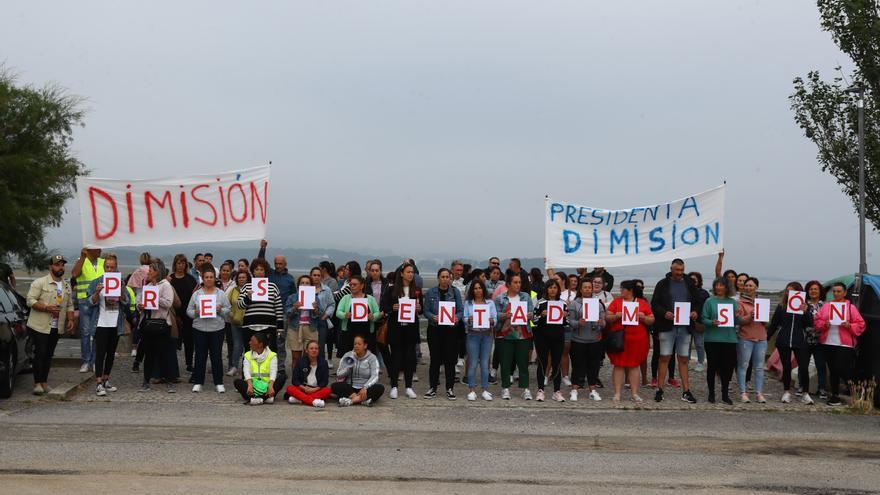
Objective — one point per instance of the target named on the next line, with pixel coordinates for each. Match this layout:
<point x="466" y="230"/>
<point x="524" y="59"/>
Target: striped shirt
<point x="261" y="314"/>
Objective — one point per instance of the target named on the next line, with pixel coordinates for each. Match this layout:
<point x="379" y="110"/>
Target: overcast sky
<point x="438" y="127"/>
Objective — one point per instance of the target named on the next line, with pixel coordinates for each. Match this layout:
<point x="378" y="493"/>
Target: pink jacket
<point x="848" y="336"/>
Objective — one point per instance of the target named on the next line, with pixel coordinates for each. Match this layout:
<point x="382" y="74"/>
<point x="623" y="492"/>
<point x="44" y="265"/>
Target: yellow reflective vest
<point x="86" y="275"/>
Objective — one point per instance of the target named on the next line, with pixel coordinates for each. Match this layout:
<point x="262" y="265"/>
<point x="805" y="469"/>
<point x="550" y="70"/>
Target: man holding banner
<point x="675" y="304"/>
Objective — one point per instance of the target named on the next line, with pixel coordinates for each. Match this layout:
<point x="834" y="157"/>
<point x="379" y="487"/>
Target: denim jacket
<point x="514" y="332"/>
<point x="432" y="304"/>
<point x="326" y="307"/>
<point x="126" y="306"/>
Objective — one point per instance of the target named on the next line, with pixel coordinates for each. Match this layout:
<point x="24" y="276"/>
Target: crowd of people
<point x="487" y="323"/>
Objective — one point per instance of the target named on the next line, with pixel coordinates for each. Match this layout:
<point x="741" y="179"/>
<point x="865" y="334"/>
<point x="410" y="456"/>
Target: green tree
<point x="827" y="113"/>
<point x="38" y="169"/>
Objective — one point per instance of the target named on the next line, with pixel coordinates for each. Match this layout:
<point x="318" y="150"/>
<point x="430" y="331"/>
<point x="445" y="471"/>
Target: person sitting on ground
<point x="311" y="374"/>
<point x="359" y="372"/>
<point x="260" y="369"/>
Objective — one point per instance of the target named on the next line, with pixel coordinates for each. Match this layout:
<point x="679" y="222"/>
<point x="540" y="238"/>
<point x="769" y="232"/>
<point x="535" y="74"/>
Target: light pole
<point x="863" y="262"/>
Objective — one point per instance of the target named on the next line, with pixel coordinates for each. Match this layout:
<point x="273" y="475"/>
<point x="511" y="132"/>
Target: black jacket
<point x="303" y="367"/>
<point x="661" y="302"/>
<point x="791" y="327"/>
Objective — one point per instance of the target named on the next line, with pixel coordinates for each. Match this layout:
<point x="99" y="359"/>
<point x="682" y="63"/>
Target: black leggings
<point x="655" y="359"/>
<point x="106" y="339"/>
<point x="721" y="360"/>
<point x="186" y="340"/>
<point x="403" y="354"/>
<point x="443" y="346"/>
<point x="802" y="356"/>
<point x="549" y="343"/>
<point x="585" y="362"/>
<point x="344" y="389"/>
<point x="840" y="360"/>
<point x="44" y="349"/>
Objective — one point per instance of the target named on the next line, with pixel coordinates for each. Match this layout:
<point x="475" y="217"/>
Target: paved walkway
<point x="129" y="383"/>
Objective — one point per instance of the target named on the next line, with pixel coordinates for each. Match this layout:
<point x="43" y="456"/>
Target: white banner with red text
<point x="229" y="206"/>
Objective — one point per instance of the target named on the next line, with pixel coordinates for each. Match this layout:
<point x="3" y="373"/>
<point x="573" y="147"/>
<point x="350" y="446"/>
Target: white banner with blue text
<point x="581" y="236"/>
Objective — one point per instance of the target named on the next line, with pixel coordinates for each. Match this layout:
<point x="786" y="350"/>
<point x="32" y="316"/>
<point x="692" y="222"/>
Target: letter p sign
<point x="112" y="285"/>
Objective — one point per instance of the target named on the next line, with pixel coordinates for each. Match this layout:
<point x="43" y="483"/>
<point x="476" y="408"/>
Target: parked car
<point x="16" y="348"/>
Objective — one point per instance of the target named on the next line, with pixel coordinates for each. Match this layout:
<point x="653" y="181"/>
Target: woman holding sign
<point x="264" y="309"/>
<point x="586" y="316"/>
<point x="790" y="327"/>
<point x="751" y="346"/>
<point x="157" y="301"/>
<point x="719" y="317"/>
<point x="479" y="317"/>
<point x="631" y="315"/>
<point x="514" y="337"/>
<point x="551" y="320"/>
<point x="839" y="324"/>
<point x="442" y="332"/>
<point x="357" y="312"/>
<point x="113" y="303"/>
<point x="403" y="333"/>
<point x="208" y="308"/>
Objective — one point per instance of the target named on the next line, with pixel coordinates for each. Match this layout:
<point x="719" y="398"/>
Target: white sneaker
<point x="538" y="397"/>
<point x="393" y="393"/>
<point x="269" y="400"/>
<point x="84" y="368"/>
<point x="487" y="395"/>
<point x="109" y="386"/>
<point x="318" y="404"/>
<point x="526" y="394"/>
<point x="197" y="388"/>
<point x="293" y="400"/>
<point x="806" y="399"/>
<point x="472" y="396"/>
<point x="232" y="371"/>
<point x="411" y="393"/>
<point x="505" y="394"/>
<point x="221" y="389"/>
<point x="786" y="398"/>
<point x="99" y="390"/>
<point x="557" y="396"/>
<point x="256" y="401"/>
<point x="699" y="368"/>
<point x="344" y="402"/>
<point x="595" y="396"/>
<point x="134" y="352"/>
<point x="573" y="396"/>
<point x="566" y="381"/>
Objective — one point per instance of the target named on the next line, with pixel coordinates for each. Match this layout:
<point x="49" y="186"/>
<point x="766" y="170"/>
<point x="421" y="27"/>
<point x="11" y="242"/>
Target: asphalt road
<point x="186" y="447"/>
<point x="133" y="443"/>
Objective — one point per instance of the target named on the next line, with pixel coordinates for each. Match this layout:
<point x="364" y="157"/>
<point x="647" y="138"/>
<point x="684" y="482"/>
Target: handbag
<point x="154" y="327"/>
<point x="614" y="342"/>
<point x="382" y="333"/>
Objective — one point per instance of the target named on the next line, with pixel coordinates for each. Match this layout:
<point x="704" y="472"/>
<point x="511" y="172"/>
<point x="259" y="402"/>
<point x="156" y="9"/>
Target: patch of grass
<point x="862" y="396"/>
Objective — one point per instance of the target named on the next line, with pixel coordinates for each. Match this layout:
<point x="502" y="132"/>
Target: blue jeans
<point x="208" y="344"/>
<point x="479" y="349"/>
<point x="237" y="347"/>
<point x="87" y="322"/>
<point x="749" y="350"/>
